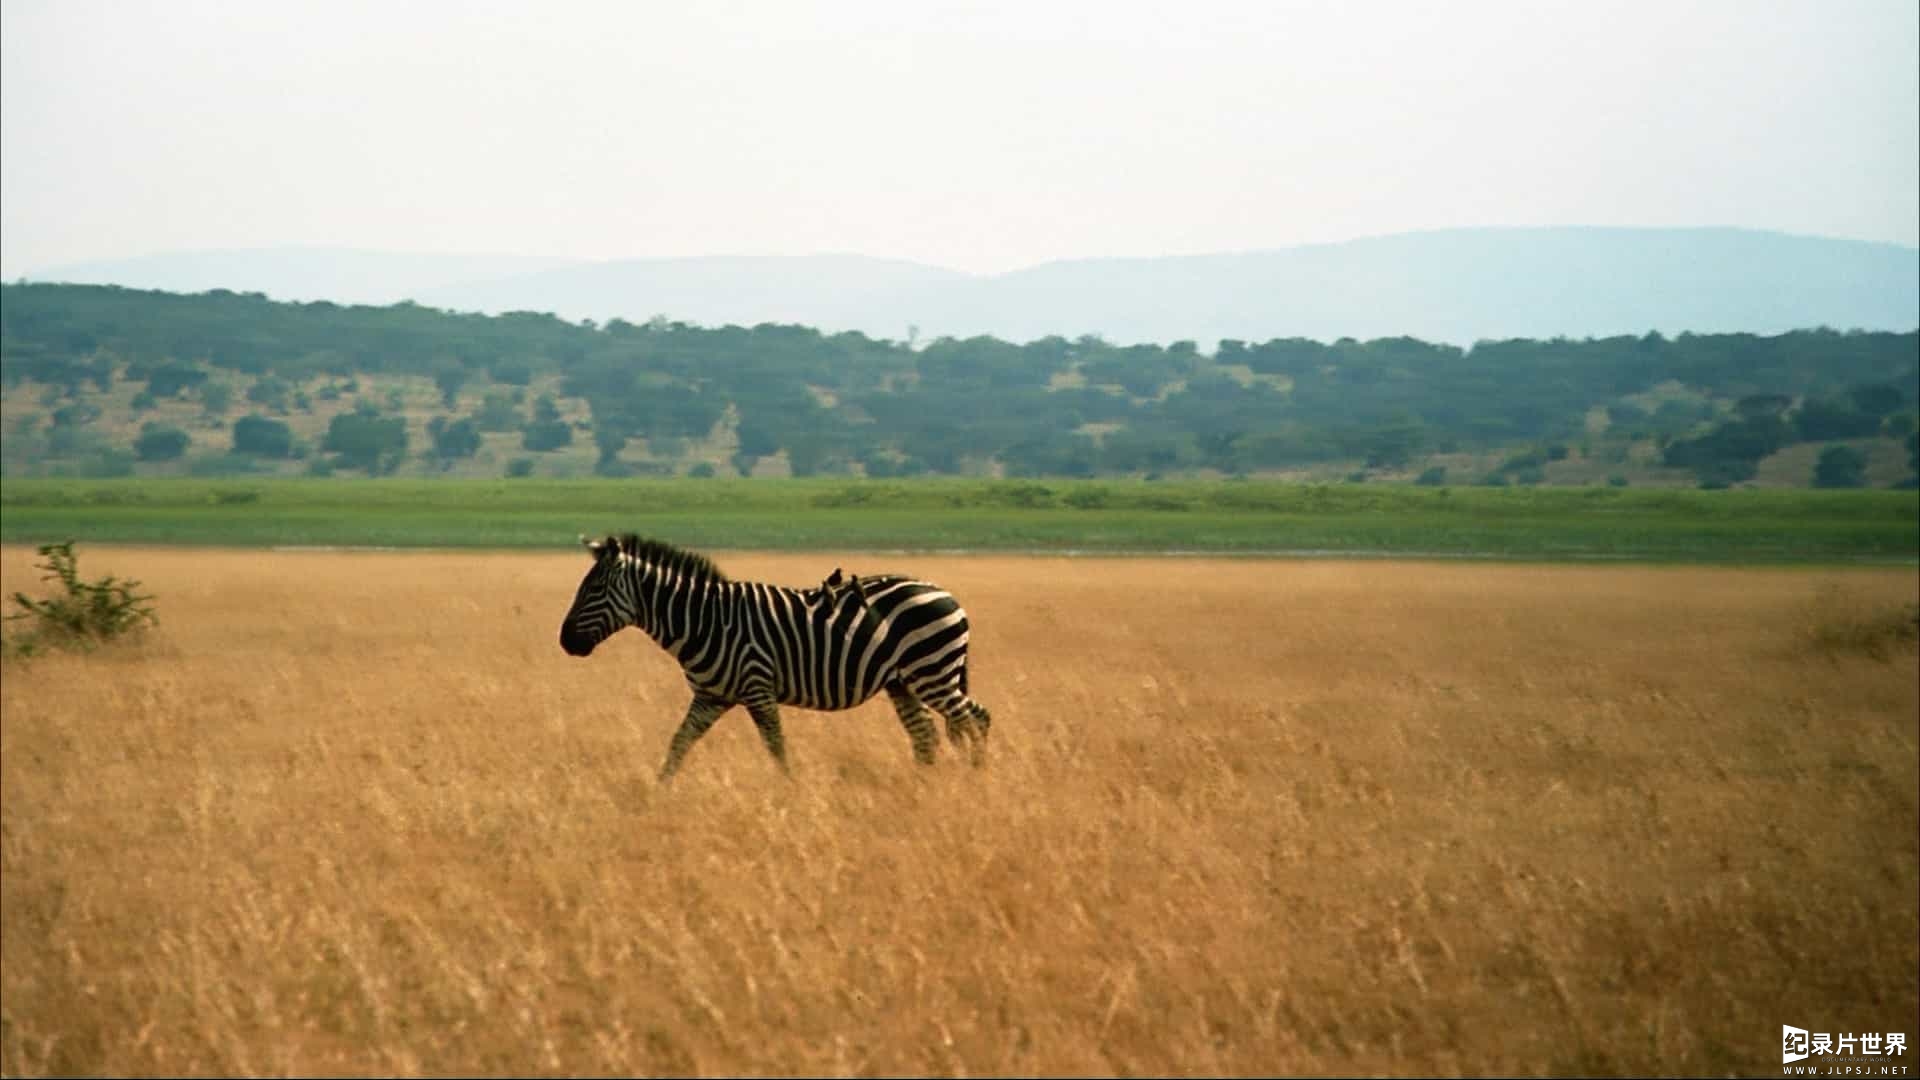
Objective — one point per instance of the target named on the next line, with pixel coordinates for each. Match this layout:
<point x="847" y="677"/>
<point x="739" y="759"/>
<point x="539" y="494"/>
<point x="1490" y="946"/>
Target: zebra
<point x="763" y="646"/>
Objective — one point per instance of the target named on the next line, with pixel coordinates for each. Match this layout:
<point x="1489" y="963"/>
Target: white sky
<point x="980" y="137"/>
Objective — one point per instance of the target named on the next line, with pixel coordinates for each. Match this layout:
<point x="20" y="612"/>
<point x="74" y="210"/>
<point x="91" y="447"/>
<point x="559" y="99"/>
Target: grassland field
<point x="355" y="813"/>
<point x="986" y="515"/>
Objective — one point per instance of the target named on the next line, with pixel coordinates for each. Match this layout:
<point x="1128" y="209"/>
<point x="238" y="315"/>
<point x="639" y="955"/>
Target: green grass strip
<point x="992" y="515"/>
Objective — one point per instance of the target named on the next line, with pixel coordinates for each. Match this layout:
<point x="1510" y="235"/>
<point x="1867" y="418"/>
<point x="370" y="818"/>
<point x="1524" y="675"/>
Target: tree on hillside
<point x="262" y="436"/>
<point x="1840" y="467"/>
<point x="1731" y="452"/>
<point x="1822" y="419"/>
<point x="1877" y="399"/>
<point x="271" y="392"/>
<point x="610" y="435"/>
<point x="459" y="439"/>
<point x="832" y="400"/>
<point x="449" y="376"/>
<point x="547" y="431"/>
<point x="363" y="439"/>
<point x="160" y="442"/>
<point x="499" y="411"/>
<point x="170" y="379"/>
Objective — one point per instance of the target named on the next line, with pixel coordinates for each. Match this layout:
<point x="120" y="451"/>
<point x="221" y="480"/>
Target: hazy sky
<point x="979" y="136"/>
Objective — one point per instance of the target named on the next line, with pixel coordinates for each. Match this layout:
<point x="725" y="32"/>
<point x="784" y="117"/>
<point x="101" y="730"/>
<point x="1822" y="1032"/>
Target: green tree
<point x="1822" y="419"/>
<point x="499" y="413"/>
<point x="544" y="435"/>
<point x="271" y="392"/>
<point x="262" y="436"/>
<point x="169" y="380"/>
<point x="609" y="437"/>
<point x="1840" y="467"/>
<point x="78" y="414"/>
<point x="364" y="439"/>
<point x="1877" y="399"/>
<point x="460" y="439"/>
<point x="547" y="431"/>
<point x="160" y="442"/>
<point x="449" y="378"/>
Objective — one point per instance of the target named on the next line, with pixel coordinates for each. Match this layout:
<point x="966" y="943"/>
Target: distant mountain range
<point x="1456" y="285"/>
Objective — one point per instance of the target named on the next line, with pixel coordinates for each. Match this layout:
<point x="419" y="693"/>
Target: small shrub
<point x="1024" y="494"/>
<point x="1091" y="497"/>
<point x="519" y="468"/>
<point x="90" y="611"/>
<point x="1433" y="477"/>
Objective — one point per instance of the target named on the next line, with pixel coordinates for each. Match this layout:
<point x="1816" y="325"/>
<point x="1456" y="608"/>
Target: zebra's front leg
<point x="700" y="716"/>
<point x="766" y="717"/>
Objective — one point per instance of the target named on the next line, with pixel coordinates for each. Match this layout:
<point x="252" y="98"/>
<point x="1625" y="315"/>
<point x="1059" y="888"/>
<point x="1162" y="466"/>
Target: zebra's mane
<point x="661" y="554"/>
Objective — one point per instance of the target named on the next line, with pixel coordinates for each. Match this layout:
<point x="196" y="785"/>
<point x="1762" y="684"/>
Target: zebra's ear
<point x="597" y="547"/>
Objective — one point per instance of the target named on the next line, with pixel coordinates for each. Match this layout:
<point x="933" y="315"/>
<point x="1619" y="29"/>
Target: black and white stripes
<point x="763" y="646"/>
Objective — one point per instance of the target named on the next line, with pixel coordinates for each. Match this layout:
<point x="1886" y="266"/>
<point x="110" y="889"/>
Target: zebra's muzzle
<point x="576" y="643"/>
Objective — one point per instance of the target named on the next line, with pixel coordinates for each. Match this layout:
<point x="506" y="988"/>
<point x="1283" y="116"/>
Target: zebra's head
<point x="603" y="604"/>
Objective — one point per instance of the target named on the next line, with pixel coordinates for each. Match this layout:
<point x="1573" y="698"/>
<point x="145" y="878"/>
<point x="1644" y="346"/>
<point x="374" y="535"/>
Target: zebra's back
<point x="835" y="650"/>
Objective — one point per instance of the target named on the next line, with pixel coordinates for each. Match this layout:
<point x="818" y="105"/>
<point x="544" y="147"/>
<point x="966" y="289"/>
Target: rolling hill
<point x="1457" y="286"/>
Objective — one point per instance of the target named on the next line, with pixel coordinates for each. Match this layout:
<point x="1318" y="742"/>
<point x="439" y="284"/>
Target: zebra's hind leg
<point x="917" y="720"/>
<point x="968" y="721"/>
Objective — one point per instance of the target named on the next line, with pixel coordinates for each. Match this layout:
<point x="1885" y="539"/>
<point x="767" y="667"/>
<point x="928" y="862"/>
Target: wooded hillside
<point x="104" y="380"/>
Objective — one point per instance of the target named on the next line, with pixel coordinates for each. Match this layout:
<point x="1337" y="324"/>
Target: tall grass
<point x="358" y="814"/>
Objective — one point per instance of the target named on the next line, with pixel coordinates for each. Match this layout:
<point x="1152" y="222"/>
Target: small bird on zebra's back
<point x="837" y="585"/>
<point x="763" y="646"/>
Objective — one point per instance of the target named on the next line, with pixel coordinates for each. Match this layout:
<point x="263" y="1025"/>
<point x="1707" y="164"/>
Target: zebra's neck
<point x="676" y="607"/>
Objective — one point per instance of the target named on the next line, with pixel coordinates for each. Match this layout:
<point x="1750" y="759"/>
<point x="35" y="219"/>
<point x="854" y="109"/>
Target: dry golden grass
<point x="357" y="813"/>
